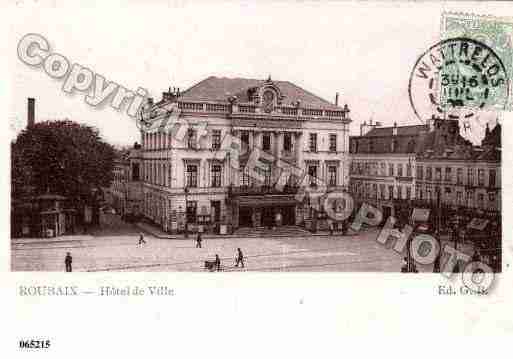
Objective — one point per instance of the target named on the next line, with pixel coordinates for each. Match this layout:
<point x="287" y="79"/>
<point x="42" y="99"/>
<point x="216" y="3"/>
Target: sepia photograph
<point x="266" y="172"/>
<point x="284" y="166"/>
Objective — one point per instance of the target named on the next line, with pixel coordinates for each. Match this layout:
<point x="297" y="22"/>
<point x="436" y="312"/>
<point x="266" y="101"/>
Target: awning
<point x="478" y="223"/>
<point x="266" y="201"/>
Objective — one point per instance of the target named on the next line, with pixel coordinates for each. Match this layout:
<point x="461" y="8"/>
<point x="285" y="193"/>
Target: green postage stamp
<point x="480" y="74"/>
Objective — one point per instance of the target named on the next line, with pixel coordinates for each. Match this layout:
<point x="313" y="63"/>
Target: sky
<point x="364" y="51"/>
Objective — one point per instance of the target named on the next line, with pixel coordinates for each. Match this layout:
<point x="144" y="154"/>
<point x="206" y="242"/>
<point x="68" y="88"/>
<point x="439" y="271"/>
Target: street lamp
<point x="436" y="264"/>
<point x="186" y="191"/>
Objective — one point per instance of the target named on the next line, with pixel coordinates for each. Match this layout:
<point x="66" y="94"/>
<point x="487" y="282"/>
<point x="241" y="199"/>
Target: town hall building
<point x="193" y="178"/>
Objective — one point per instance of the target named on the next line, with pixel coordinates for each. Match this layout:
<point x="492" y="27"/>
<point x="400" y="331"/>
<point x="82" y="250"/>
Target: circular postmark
<point x="456" y="79"/>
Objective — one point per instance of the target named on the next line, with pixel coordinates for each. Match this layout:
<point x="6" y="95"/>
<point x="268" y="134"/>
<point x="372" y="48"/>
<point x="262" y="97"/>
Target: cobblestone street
<point x="114" y="247"/>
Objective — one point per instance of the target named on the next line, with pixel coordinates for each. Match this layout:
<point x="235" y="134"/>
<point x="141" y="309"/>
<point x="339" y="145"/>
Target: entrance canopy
<point x="266" y="201"/>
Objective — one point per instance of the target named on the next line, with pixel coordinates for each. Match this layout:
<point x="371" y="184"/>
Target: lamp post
<point x="436" y="264"/>
<point x="186" y="191"/>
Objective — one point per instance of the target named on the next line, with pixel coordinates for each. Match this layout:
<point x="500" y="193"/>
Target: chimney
<point x="31" y="103"/>
<point x="363" y="128"/>
<point x="336" y="99"/>
<point x="168" y="96"/>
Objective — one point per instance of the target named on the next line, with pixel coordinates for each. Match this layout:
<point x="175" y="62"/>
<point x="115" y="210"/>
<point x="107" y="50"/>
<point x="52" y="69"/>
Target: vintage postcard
<point x="330" y="148"/>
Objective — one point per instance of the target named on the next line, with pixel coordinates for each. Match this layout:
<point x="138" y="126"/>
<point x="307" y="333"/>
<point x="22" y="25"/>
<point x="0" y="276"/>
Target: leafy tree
<point x="61" y="157"/>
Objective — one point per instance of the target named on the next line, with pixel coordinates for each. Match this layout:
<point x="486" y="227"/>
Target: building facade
<point x="461" y="176"/>
<point x="125" y="192"/>
<point x="383" y="165"/>
<point x="431" y="165"/>
<point x="200" y="146"/>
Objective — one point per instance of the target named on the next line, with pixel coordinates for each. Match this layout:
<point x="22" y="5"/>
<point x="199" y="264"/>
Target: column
<point x="277" y="146"/>
<point x="299" y="148"/>
<point x="257" y="142"/>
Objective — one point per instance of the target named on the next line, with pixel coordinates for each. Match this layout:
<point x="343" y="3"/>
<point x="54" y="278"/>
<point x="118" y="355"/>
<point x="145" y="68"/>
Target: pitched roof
<point x="381" y="140"/>
<point x="413" y="130"/>
<point x="218" y="89"/>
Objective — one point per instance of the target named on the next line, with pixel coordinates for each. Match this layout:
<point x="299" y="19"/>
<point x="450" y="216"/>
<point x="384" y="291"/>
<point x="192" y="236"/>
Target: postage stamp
<point x="471" y="76"/>
<point x="456" y="78"/>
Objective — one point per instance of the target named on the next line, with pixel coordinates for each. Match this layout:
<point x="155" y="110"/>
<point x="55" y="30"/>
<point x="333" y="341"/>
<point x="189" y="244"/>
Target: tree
<point x="61" y="157"/>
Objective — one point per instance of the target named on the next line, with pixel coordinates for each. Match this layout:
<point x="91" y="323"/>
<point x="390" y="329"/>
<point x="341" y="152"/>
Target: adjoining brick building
<point x="465" y="177"/>
<point x="188" y="177"/>
<point x="383" y="164"/>
<point x="398" y="167"/>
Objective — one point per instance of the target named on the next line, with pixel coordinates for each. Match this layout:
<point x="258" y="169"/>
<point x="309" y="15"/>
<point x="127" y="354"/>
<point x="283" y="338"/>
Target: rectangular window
<point x="480" y="177"/>
<point x="135" y="172"/>
<point x="216" y="139"/>
<point x="266" y="142"/>
<point x="408" y="170"/>
<point x="332" y="175"/>
<point x="399" y="192"/>
<point x="313" y="142"/>
<point x="312" y="172"/>
<point x="492" y="177"/>
<point x="390" y="169"/>
<point x="192" y="176"/>
<point x="244" y="137"/>
<point x="459" y="197"/>
<point x="216" y="175"/>
<point x="374" y="190"/>
<point x="491" y="197"/>
<point x="429" y="173"/>
<point x="399" y="169"/>
<point x="408" y="192"/>
<point x="470" y="176"/>
<point x="333" y="142"/>
<point x="191" y="138"/>
<point x="438" y="174"/>
<point x="470" y="197"/>
<point x="382" y="191"/>
<point x="459" y="176"/>
<point x="191" y="211"/>
<point x="390" y="192"/>
<point x="287" y="142"/>
<point x="245" y="176"/>
<point x="383" y="169"/>
<point x="420" y="172"/>
<point x="448" y="174"/>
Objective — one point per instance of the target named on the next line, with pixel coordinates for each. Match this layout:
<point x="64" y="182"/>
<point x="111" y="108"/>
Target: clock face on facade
<point x="268" y="101"/>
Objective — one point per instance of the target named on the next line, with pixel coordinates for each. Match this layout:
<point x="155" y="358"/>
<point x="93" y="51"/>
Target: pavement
<point x="114" y="247"/>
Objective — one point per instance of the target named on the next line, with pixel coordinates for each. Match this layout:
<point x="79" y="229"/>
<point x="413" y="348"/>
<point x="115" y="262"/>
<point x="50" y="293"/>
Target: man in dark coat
<point x="198" y="240"/>
<point x="218" y="263"/>
<point x="67" y="261"/>
<point x="240" y="258"/>
<point x="141" y="239"/>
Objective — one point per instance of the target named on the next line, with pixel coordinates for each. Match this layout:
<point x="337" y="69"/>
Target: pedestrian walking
<point x="239" y="258"/>
<point x="67" y="261"/>
<point x="198" y="240"/>
<point x="141" y="239"/>
<point x="218" y="263"/>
